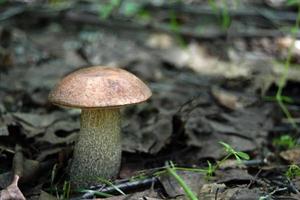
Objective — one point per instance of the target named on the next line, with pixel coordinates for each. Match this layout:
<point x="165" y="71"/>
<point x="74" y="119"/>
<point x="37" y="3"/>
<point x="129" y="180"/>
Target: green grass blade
<point x="189" y="193"/>
<point x="107" y="182"/>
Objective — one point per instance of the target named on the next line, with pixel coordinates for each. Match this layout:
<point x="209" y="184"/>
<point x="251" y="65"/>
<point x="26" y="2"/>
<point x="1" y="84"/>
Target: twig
<point x="273" y="192"/>
<point x="124" y="186"/>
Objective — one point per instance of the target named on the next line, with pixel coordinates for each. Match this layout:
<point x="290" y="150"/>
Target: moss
<point x="98" y="150"/>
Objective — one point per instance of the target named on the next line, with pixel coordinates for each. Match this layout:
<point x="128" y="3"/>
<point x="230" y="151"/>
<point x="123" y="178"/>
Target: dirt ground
<point x="205" y="91"/>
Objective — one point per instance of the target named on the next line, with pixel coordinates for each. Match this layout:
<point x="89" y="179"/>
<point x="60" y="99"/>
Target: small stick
<point x="125" y="186"/>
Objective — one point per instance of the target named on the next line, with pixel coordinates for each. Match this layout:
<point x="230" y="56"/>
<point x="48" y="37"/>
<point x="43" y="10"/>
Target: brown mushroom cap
<point x="99" y="86"/>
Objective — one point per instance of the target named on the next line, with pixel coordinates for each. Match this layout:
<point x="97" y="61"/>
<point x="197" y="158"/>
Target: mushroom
<point x="99" y="92"/>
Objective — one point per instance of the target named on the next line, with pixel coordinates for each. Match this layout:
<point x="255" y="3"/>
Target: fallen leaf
<point x="286" y="43"/>
<point x="46" y="196"/>
<point x="232" y="163"/>
<point x="36" y="120"/>
<point x="291" y="155"/>
<point x="205" y="124"/>
<point x="4" y="130"/>
<point x="192" y="179"/>
<point x="160" y="40"/>
<point x="195" y="57"/>
<point x="245" y="194"/>
<point x="12" y="191"/>
<point x="237" y="176"/>
<point x="208" y="191"/>
<point x="149" y="135"/>
<point x="60" y="132"/>
<point x="226" y="99"/>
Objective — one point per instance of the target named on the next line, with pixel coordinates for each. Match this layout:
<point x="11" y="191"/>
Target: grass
<point x="238" y="155"/>
<point x="285" y="99"/>
<point x="172" y="171"/>
<point x="168" y="169"/>
<point x="171" y="168"/>
<point x="293" y="172"/>
<point x="175" y="28"/>
<point x="210" y="170"/>
<point x="107" y="182"/>
<point x="283" y="79"/>
<point x="103" y="194"/>
<point x="106" y="10"/>
<point x="279" y="97"/>
<point x="285" y="141"/>
<point x="222" y="12"/>
<point x="66" y="190"/>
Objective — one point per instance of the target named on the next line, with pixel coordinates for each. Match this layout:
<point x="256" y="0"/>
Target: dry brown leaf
<point x="208" y="191"/>
<point x="172" y="187"/>
<point x="12" y="192"/>
<point x="196" y="58"/>
<point x="160" y="40"/>
<point x="292" y="155"/>
<point x="285" y="43"/>
<point x="234" y="175"/>
<point x="46" y="196"/>
<point x="226" y="99"/>
<point x="4" y="131"/>
<point x="231" y="163"/>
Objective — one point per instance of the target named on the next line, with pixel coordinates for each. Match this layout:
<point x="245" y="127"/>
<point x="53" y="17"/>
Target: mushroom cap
<point x="99" y="87"/>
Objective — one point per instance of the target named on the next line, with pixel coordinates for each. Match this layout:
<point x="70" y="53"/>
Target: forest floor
<point x="213" y="98"/>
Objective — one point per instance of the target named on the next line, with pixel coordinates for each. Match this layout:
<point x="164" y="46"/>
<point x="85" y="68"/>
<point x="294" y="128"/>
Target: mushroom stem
<point x="97" y="152"/>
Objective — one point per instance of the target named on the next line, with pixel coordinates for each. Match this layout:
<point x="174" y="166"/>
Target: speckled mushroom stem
<point x="97" y="152"/>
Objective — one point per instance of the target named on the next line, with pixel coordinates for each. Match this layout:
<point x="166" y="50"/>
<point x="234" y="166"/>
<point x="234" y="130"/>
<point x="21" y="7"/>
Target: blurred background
<point x="219" y="71"/>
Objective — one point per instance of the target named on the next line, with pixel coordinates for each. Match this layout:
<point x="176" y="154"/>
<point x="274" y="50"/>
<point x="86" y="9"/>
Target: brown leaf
<point x="160" y="41"/>
<point x="12" y="192"/>
<point x="234" y="175"/>
<point x="205" y="124"/>
<point x="208" y="191"/>
<point x="197" y="58"/>
<point x="46" y="196"/>
<point x="226" y="99"/>
<point x="4" y="131"/>
<point x="292" y="155"/>
<point x="193" y="180"/>
<point x="150" y="136"/>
